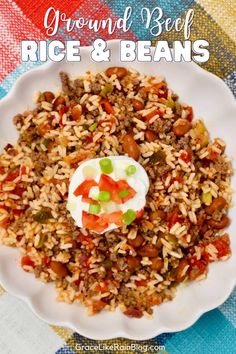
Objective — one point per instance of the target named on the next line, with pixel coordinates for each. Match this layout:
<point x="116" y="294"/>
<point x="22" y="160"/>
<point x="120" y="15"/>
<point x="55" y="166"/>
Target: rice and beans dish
<point x="148" y="205"/>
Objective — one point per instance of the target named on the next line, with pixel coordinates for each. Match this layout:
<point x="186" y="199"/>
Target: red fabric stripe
<point x="35" y="9"/>
<point x="14" y="27"/>
<point x="94" y="9"/>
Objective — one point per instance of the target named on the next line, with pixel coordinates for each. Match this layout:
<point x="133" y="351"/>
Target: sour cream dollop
<point x="127" y="185"/>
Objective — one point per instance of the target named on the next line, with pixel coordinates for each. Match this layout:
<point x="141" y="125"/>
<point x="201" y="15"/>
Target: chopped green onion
<point x="170" y="103"/>
<point x="93" y="127"/>
<point x="129" y="216"/>
<point x="106" y="165"/>
<point x="104" y="196"/>
<point x="94" y="208"/>
<point x="108" y="88"/>
<point x="130" y="170"/>
<point x="206" y="198"/>
<point x="124" y="193"/>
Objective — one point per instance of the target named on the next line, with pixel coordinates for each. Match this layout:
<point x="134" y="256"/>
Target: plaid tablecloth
<point x="214" y="20"/>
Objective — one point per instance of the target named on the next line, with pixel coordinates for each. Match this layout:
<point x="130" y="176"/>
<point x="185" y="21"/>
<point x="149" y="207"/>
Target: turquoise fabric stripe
<point x="212" y="333"/>
<point x="7" y="83"/>
<point x="229" y="309"/>
<point x="170" y="8"/>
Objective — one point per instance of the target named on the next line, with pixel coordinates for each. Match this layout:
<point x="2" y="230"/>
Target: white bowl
<point x="212" y="100"/>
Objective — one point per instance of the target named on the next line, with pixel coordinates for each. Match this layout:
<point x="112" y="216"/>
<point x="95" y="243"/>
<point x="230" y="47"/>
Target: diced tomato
<point x="5" y="222"/>
<point x="149" y="116"/>
<point x="142" y="282"/>
<point x="62" y="110"/>
<point x="77" y="282"/>
<point x="18" y="191"/>
<point x="123" y="185"/>
<point x="173" y="218"/>
<point x="98" y="305"/>
<point x="107" y="106"/>
<point x="154" y="299"/>
<point x="205" y="256"/>
<point x="177" y="178"/>
<point x="27" y="261"/>
<point x="197" y="268"/>
<point x="86" y="240"/>
<point x="17" y="213"/>
<point x="12" y="175"/>
<point x="8" y="146"/>
<point x="93" y="222"/>
<point x="46" y="261"/>
<point x="113" y="218"/>
<point x="4" y="207"/>
<point x="107" y="184"/>
<point x="132" y="312"/>
<point x="44" y="128"/>
<point x="153" y="88"/>
<point x="180" y="275"/>
<point x="84" y="260"/>
<point x="163" y="92"/>
<point x="22" y="170"/>
<point x="106" y="123"/>
<point x="84" y="188"/>
<point x="139" y="214"/>
<point x="189" y="115"/>
<point x="102" y="287"/>
<point x="222" y="244"/>
<point x="2" y="170"/>
<point x="88" y="139"/>
<point x="213" y="155"/>
<point x="186" y="156"/>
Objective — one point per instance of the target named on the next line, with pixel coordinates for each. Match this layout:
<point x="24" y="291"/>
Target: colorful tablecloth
<point x="215" y="21"/>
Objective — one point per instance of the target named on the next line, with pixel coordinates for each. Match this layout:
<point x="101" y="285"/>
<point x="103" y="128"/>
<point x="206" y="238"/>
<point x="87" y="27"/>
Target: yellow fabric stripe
<point x="64" y="333"/>
<point x="222" y="49"/>
<point x="223" y="13"/>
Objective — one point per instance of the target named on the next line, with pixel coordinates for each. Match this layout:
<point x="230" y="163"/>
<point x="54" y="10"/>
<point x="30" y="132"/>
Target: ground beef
<point x="162" y="126"/>
<point x="161" y="170"/>
<point x="65" y="82"/>
<point x="222" y="167"/>
<point x="18" y="119"/>
<point x="30" y="135"/>
<point x="183" y="143"/>
<point x="40" y="161"/>
<point x="95" y="88"/>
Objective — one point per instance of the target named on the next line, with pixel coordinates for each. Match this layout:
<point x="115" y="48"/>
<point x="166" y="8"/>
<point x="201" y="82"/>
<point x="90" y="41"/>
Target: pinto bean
<point x="158" y="214"/>
<point x="133" y="262"/>
<point x="136" y="242"/>
<point x="48" y="96"/>
<point x="148" y="251"/>
<point x="130" y="147"/>
<point x="218" y="204"/>
<point x="118" y="71"/>
<point x="59" y="268"/>
<point x="58" y="101"/>
<point x="157" y="264"/>
<point x="150" y="135"/>
<point x="181" y="127"/>
<point x="137" y="105"/>
<point x="221" y="224"/>
<point x="132" y="312"/>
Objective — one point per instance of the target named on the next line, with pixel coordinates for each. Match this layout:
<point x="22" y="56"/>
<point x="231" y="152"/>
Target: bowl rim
<point x="120" y="333"/>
